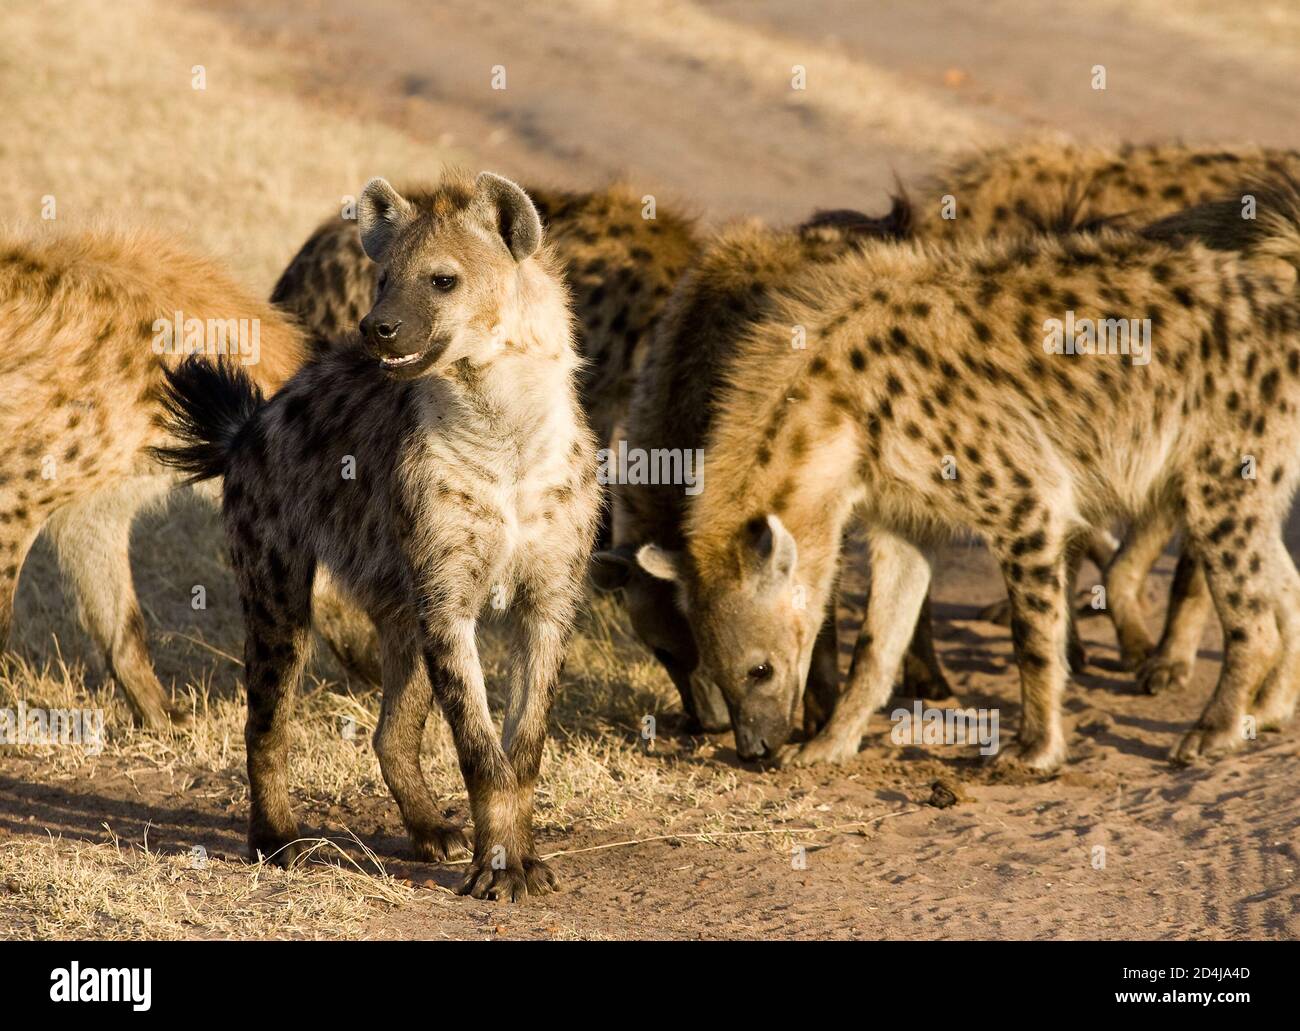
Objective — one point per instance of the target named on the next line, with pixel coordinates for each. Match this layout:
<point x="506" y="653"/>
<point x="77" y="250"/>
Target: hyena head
<point x="754" y="628"/>
<point x="449" y="270"/>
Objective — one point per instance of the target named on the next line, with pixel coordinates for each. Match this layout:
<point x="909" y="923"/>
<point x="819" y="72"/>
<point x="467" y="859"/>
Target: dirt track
<point x="695" y="103"/>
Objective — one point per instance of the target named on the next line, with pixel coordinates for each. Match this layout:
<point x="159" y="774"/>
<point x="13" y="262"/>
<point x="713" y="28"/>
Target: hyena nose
<point x="388" y="330"/>
<point x="380" y="330"/>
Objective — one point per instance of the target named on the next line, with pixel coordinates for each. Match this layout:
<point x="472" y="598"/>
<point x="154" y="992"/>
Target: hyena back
<point x="925" y="400"/>
<point x="443" y="467"/>
<point x="82" y="370"/>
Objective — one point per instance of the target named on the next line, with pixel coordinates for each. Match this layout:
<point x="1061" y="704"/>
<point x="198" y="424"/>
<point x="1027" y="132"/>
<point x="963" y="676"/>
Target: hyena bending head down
<point x="444" y="466"/>
<point x="928" y="399"/>
<point x="88" y="329"/>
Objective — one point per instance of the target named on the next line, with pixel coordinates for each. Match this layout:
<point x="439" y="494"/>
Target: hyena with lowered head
<point x="927" y="400"/>
<point x="88" y="322"/>
<point x="474" y="484"/>
<point x="1010" y="191"/>
<point x="732" y="285"/>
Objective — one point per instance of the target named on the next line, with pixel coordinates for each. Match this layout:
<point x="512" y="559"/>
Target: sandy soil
<point x="693" y="100"/>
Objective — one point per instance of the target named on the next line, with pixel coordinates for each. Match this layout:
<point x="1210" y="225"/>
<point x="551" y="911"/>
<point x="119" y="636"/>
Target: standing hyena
<point x="933" y="398"/>
<point x="447" y="467"/>
<point x="89" y="324"/>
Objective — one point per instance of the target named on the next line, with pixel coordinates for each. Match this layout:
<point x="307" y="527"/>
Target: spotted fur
<point x="473" y="488"/>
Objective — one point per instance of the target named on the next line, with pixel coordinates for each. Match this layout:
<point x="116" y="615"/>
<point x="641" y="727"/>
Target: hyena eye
<point x="761" y="673"/>
<point x="444" y="283"/>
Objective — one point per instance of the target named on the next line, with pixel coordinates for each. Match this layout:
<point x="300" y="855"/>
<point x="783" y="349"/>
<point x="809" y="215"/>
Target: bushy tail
<point x="1277" y="200"/>
<point x="1261" y="218"/>
<point x="205" y="405"/>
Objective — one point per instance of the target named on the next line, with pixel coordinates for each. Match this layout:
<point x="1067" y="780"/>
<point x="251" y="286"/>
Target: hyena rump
<point x="81" y="372"/>
<point x="924" y="362"/>
<point x="474" y="483"/>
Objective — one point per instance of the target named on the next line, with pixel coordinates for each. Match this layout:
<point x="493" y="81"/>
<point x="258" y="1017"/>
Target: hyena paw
<point x="1158" y="675"/>
<point x="440" y="843"/>
<point x="1041" y="756"/>
<point x="999" y="612"/>
<point x="1207" y="743"/>
<point x="507" y="883"/>
<point x="539" y="877"/>
<point x="820" y="749"/>
<point x="283" y="849"/>
<point x="920" y="680"/>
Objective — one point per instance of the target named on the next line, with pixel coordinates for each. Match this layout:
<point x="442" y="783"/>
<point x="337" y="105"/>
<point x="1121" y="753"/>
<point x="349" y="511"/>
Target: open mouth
<point x="403" y="361"/>
<point x="405" y="366"/>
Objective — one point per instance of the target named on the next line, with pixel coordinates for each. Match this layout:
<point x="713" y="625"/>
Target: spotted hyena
<point x="731" y="286"/>
<point x="1024" y="188"/>
<point x="442" y="467"/>
<point x="91" y="322"/>
<point x="932" y="399"/>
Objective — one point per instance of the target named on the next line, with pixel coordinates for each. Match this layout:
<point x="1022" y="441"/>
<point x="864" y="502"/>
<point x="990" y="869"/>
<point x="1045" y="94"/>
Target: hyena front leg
<point x="1126" y="577"/>
<point x="1240" y="553"/>
<point x="407" y="702"/>
<point x="1034" y="567"/>
<point x="1190" y="604"/>
<point x="541" y="636"/>
<point x="277" y="621"/>
<point x="900" y="578"/>
<point x="92" y="538"/>
<point x="823" y="688"/>
<point x="451" y="651"/>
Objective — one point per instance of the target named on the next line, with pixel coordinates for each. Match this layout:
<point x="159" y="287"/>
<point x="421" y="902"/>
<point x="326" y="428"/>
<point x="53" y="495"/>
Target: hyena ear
<point x="772" y="546"/>
<point x="610" y="570"/>
<point x="382" y="214"/>
<point x="511" y="213"/>
<point x="661" y="564"/>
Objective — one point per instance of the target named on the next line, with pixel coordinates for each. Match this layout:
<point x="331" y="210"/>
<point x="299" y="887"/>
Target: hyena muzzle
<point x="443" y="466"/>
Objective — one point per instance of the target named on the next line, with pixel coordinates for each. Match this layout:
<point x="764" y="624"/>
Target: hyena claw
<point x="438" y="844"/>
<point x="1157" y="675"/>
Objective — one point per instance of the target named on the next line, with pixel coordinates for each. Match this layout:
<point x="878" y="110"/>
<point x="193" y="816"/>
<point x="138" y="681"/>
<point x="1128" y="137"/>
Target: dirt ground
<point x="692" y="100"/>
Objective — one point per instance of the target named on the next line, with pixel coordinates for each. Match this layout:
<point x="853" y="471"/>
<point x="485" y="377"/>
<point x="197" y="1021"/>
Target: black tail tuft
<point x="205" y="405"/>
<point x="856" y="226"/>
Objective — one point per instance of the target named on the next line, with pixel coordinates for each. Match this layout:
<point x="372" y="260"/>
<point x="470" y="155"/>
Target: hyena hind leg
<point x="277" y="619"/>
<point x="92" y="538"/>
<point x="1248" y="604"/>
<point x="1171" y="664"/>
<point x="407" y="702"/>
<point x="1035" y="568"/>
<point x="923" y="675"/>
<point x="1276" y="702"/>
